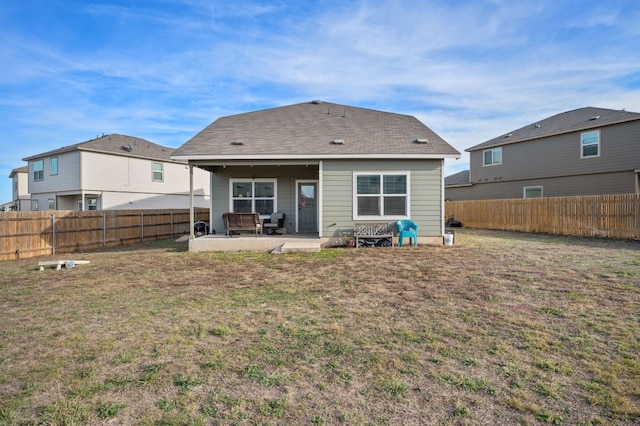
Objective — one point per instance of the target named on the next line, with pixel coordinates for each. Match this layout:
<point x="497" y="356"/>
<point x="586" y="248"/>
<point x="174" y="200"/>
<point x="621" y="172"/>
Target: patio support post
<point x="192" y="219"/>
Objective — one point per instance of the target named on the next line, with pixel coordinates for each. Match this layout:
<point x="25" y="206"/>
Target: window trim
<point x="582" y="146"/>
<point x="53" y="160"/>
<point x="407" y="195"/>
<point x="40" y="176"/>
<point x="153" y="171"/>
<point x="253" y="191"/>
<point x="492" y="150"/>
<point x="524" y="191"/>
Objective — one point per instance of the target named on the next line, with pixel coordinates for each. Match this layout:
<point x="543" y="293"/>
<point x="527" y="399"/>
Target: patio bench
<point x="370" y="234"/>
<point x="242" y="222"/>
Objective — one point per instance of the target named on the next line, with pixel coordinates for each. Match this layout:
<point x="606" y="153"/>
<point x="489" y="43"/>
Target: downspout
<point x="320" y="196"/>
<point x="442" y="209"/>
<point x="192" y="220"/>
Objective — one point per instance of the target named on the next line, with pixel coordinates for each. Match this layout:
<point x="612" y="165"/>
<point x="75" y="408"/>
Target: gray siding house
<point x="325" y="166"/>
<point x="587" y="151"/>
<point x="112" y="172"/>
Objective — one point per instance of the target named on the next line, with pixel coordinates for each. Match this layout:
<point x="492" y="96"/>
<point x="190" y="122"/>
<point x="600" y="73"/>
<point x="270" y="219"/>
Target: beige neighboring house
<point x="21" y="200"/>
<point x="113" y="172"/>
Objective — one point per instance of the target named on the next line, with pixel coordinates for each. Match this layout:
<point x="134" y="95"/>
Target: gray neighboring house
<point x="325" y="166"/>
<point x="113" y="172"/>
<point x="587" y="151"/>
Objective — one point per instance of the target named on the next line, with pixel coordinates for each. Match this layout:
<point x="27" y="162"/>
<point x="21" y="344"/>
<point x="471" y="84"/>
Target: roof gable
<point x="314" y="129"/>
<point x="566" y="122"/>
<point x="115" y="144"/>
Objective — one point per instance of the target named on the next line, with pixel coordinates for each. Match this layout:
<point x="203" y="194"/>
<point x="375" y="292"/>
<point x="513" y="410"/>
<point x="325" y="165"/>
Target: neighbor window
<point x="381" y="195"/>
<point x="38" y="167"/>
<point x="532" y="192"/>
<point x="492" y="156"/>
<point x="53" y="166"/>
<point x="158" y="172"/>
<point x="590" y="144"/>
<point x="34" y="205"/>
<point x="253" y="196"/>
<point x="52" y="204"/>
<point x="92" y="204"/>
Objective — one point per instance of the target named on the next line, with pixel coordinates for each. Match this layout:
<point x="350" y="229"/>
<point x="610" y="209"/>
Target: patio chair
<point x="276" y="222"/>
<point x="407" y="229"/>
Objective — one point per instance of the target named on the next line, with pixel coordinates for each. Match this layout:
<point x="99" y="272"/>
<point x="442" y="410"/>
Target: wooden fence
<point x="613" y="216"/>
<point x="30" y="234"/>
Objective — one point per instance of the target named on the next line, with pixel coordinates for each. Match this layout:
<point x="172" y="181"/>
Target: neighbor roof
<point x="115" y="144"/>
<point x="318" y="130"/>
<point x="23" y="169"/>
<point x="460" y="178"/>
<point x="566" y="122"/>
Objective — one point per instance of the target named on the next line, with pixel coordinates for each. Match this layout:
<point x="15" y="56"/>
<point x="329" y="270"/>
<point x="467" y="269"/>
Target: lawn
<point x="501" y="328"/>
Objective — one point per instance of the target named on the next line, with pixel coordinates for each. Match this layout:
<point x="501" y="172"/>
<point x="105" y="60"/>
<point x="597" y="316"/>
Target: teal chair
<point x="407" y="229"/>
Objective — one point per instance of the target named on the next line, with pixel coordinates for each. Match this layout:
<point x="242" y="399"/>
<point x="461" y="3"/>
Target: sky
<point x="162" y="70"/>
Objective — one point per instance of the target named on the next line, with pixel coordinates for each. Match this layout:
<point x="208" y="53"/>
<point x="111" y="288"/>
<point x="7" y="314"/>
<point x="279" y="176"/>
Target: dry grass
<point x="501" y="328"/>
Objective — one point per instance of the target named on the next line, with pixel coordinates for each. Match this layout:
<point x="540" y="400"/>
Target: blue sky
<point x="164" y="69"/>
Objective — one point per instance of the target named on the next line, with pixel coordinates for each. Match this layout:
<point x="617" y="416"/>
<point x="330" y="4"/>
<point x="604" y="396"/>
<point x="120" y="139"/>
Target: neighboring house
<point x="113" y="172"/>
<point x="325" y="166"/>
<point x="587" y="151"/>
<point x="20" y="200"/>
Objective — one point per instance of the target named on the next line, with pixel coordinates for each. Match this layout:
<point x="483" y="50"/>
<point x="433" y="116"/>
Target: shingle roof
<point x="566" y="122"/>
<point x="315" y="130"/>
<point x="115" y="144"/>
<point x="460" y="178"/>
<point x="23" y="169"/>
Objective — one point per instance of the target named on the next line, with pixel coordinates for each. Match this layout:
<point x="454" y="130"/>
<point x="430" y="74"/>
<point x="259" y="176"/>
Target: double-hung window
<point x="253" y="196"/>
<point x="158" y="172"/>
<point x="38" y="170"/>
<point x="381" y="195"/>
<point x="492" y="157"/>
<point x="590" y="144"/>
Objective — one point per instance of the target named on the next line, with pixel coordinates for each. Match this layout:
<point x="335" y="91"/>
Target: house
<point x="20" y="189"/>
<point x="113" y="172"/>
<point x="587" y="151"/>
<point x="325" y="166"/>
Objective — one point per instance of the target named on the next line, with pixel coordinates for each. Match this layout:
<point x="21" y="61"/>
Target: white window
<point x="158" y="172"/>
<point x="52" y="204"/>
<point x="532" y="192"/>
<point x="38" y="170"/>
<point x="34" y="205"/>
<point x="253" y="196"/>
<point x="381" y="195"/>
<point x="590" y="144"/>
<point x="92" y="203"/>
<point x="53" y="166"/>
<point x="492" y="157"/>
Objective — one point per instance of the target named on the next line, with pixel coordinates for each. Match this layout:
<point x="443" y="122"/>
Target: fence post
<point x="171" y="219"/>
<point x="142" y="227"/>
<point x="53" y="234"/>
<point x="104" y="229"/>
